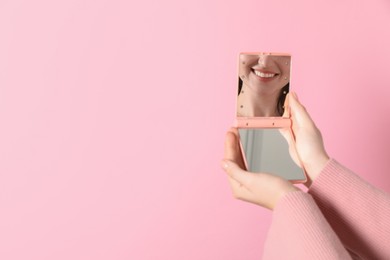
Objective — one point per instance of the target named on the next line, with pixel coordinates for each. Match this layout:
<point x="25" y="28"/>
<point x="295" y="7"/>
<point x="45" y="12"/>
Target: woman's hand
<point x="265" y="189"/>
<point x="308" y="139"/>
<point x="259" y="188"/>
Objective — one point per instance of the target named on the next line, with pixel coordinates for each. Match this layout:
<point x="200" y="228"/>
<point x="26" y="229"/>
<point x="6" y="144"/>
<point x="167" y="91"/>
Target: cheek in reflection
<point x="263" y="84"/>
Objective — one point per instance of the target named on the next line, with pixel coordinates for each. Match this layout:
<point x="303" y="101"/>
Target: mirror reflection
<point x="267" y="151"/>
<point x="263" y="84"/>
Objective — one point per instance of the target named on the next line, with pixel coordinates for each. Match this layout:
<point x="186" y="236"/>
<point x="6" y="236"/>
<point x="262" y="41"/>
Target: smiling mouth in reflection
<point x="265" y="75"/>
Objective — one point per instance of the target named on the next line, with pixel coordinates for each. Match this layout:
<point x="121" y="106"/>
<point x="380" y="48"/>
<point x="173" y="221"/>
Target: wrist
<point x="315" y="168"/>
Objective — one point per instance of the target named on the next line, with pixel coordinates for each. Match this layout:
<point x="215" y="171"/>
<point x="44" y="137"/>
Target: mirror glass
<point x="263" y="83"/>
<point x="267" y="150"/>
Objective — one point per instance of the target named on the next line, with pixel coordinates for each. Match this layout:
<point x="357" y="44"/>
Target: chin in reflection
<point x="262" y="85"/>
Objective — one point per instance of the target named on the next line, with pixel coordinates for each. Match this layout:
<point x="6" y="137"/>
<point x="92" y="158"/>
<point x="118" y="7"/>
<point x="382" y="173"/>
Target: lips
<point x="265" y="75"/>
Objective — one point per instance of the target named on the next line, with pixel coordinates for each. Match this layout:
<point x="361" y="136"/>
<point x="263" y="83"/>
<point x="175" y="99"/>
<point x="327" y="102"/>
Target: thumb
<point x="235" y="172"/>
<point x="298" y="112"/>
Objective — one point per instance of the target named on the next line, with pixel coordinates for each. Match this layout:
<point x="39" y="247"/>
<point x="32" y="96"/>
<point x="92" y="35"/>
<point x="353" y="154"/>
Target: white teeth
<point x="264" y="75"/>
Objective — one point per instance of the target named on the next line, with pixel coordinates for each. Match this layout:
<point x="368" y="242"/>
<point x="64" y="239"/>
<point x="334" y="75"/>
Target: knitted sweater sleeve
<point x="358" y="212"/>
<point x="300" y="231"/>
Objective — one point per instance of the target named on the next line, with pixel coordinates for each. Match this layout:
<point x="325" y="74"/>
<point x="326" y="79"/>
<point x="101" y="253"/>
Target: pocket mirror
<point x="264" y="127"/>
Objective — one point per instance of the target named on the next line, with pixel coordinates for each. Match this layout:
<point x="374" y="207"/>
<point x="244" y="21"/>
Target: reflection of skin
<point x="263" y="77"/>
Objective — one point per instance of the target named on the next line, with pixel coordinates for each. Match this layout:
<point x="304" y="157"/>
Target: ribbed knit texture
<point x="300" y="231"/>
<point x="341" y="217"/>
<point x="358" y="212"/>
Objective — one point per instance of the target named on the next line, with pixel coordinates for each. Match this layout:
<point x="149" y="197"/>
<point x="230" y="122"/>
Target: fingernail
<point x="224" y="164"/>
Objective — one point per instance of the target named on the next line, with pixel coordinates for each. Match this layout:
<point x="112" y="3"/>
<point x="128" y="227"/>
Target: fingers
<point x="286" y="106"/>
<point x="262" y="189"/>
<point x="236" y="173"/>
<point x="233" y="165"/>
<point x="239" y="191"/>
<point x="232" y="147"/>
<point x="298" y="112"/>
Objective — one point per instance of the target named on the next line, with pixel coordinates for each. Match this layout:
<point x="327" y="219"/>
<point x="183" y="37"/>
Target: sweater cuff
<point x="357" y="211"/>
<point x="300" y="231"/>
<point x="337" y="179"/>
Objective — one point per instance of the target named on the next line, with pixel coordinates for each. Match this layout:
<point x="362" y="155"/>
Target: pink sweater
<point x="342" y="217"/>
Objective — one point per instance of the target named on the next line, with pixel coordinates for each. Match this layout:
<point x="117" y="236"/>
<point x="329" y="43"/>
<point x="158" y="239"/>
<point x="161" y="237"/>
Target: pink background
<point x="113" y="116"/>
